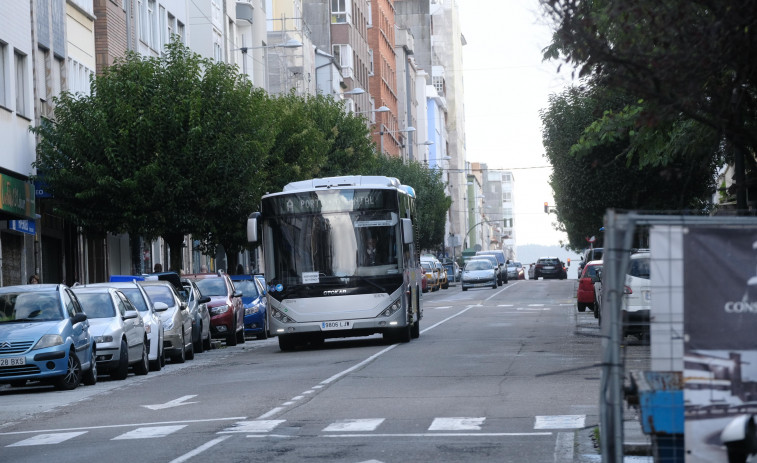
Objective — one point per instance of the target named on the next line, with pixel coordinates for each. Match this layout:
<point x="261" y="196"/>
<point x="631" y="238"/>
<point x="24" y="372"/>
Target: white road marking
<point x="564" y="447"/>
<point x="560" y="422"/>
<point x="360" y="425"/>
<point x="528" y="309"/>
<point x="172" y="403"/>
<point x="443" y="307"/>
<point x="129" y="425"/>
<point x="446" y="434"/>
<point x="456" y="424"/>
<point x="256" y="426"/>
<point x="150" y="432"/>
<point x="505" y="305"/>
<point x="199" y="450"/>
<point x="47" y="439"/>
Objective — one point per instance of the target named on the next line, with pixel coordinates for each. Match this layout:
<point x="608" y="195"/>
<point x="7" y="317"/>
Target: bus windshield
<point x="311" y="248"/>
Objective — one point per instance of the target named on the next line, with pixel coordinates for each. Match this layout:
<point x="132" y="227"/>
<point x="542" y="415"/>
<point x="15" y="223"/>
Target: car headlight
<point x="251" y="310"/>
<point x="103" y="339"/>
<point x="219" y="310"/>
<point x="279" y="315"/>
<point x="48" y="340"/>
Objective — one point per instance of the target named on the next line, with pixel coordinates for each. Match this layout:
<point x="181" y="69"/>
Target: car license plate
<point x="647" y="296"/>
<point x="339" y="325"/>
<point x="549" y="267"/>
<point x="12" y="361"/>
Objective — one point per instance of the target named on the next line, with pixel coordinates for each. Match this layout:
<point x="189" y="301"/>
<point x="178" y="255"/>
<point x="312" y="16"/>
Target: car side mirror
<point x="236" y="293"/>
<point x="78" y="318"/>
<point x="740" y="438"/>
<point x="130" y="314"/>
<point x="160" y="306"/>
<point x="183" y="305"/>
<point x="203" y="300"/>
<point x="599" y="275"/>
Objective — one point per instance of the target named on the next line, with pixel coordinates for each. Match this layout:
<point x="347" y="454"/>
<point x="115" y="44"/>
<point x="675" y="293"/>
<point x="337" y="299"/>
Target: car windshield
<point x="478" y="265"/>
<point x="590" y="271"/>
<point x="248" y="288"/>
<point x="133" y="295"/>
<point x="33" y="306"/>
<point x="549" y="261"/>
<point x="160" y="293"/>
<point x="97" y="305"/>
<point x="211" y="286"/>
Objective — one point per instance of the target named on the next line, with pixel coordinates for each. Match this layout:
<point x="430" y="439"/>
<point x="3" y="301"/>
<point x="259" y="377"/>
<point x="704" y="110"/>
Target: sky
<point x="506" y="84"/>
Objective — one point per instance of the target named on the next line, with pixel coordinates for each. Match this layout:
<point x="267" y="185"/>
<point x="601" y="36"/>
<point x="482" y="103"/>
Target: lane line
<point x="132" y="425"/>
<point x="199" y="449"/>
<point x="446" y="434"/>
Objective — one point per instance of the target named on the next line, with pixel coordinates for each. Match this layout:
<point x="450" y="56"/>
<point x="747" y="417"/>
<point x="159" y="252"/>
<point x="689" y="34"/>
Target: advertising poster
<point x="720" y="335"/>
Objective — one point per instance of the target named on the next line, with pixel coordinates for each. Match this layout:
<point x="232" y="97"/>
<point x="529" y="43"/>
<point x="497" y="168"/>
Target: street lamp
<point x="291" y="43"/>
<point x="382" y="109"/>
<point x="354" y="91"/>
<point x="382" y="132"/>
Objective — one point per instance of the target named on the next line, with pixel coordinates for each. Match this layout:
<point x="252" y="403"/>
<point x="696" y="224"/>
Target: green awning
<point x="17" y="198"/>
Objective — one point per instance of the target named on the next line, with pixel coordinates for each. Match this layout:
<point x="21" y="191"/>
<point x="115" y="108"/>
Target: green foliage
<point x="591" y="137"/>
<point x="163" y="147"/>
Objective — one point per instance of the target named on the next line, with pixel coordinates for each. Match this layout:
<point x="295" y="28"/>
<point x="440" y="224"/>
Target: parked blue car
<point x="44" y="336"/>
<point x="255" y="305"/>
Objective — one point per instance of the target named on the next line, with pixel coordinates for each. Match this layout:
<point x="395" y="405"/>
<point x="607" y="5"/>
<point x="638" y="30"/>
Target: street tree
<point x="164" y="146"/>
<point x="687" y="59"/>
<point x="590" y="177"/>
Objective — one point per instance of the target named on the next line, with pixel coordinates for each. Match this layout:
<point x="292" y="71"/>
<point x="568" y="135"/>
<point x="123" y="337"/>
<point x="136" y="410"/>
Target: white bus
<point x="325" y="278"/>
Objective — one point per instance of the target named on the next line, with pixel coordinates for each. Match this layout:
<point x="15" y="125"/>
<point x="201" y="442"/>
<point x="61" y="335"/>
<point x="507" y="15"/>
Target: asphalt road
<point x="497" y="375"/>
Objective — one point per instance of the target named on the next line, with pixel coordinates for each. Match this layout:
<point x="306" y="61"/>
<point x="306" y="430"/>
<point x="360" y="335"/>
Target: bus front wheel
<point x="287" y="342"/>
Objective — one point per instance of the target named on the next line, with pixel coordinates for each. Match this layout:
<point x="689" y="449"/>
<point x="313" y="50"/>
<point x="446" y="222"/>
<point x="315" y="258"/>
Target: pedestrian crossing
<point x="458" y="426"/>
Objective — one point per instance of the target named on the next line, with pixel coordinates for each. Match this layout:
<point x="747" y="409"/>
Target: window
<point x="143" y="30"/>
<point x="42" y="58"/>
<point x="164" y="37"/>
<point x="341" y="11"/>
<point x="507" y="196"/>
<point x="78" y="77"/>
<point x="370" y="62"/>
<point x="170" y="26"/>
<point x="180" y="31"/>
<point x="343" y="56"/>
<point x="153" y="36"/>
<point x="3" y="77"/>
<point x="21" y="84"/>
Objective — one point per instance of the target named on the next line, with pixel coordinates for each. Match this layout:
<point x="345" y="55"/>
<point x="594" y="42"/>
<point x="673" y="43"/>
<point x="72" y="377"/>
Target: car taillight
<point x="627" y="290"/>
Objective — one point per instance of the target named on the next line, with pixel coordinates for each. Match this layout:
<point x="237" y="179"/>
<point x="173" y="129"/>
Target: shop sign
<point x="16" y="196"/>
<point x="23" y="226"/>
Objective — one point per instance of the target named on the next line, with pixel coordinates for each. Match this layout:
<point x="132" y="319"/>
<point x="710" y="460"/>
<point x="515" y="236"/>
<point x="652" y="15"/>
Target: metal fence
<point x="653" y="362"/>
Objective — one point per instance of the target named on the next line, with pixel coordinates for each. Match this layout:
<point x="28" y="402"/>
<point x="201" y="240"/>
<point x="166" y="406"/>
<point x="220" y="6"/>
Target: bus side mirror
<point x="740" y="438"/>
<point x="407" y="231"/>
<point x="252" y="228"/>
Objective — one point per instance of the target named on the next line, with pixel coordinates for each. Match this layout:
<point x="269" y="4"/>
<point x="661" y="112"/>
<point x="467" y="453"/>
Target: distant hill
<point x="529" y="253"/>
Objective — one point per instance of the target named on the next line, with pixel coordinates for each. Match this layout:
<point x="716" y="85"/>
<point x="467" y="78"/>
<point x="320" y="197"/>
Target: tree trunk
<point x="175" y="243"/>
<point x="135" y="244"/>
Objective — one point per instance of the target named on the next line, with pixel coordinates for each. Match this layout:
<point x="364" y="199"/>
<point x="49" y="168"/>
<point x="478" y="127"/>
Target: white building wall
<point x="18" y="153"/>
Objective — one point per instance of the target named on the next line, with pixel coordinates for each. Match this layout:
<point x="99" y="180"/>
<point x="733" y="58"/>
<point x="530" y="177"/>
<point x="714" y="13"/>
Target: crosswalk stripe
<point x="560" y="422"/>
<point x="456" y="424"/>
<point x="256" y="426"/>
<point x="149" y="432"/>
<point x="363" y="425"/>
<point x="47" y="439"/>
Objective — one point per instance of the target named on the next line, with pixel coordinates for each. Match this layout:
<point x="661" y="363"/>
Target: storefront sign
<point x="23" y="226"/>
<point x="16" y="197"/>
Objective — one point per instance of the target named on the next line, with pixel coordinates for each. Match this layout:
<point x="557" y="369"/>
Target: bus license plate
<point x="12" y="361"/>
<point x="340" y="325"/>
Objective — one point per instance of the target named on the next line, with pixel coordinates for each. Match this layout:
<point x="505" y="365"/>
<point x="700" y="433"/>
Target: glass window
<point x="135" y="297"/>
<point x="21" y="84"/>
<point x="3" y="76"/>
<point x="97" y="305"/>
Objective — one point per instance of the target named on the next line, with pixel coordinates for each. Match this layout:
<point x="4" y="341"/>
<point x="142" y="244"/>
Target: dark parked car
<point x="255" y="305"/>
<point x="225" y="306"/>
<point x="550" y="267"/>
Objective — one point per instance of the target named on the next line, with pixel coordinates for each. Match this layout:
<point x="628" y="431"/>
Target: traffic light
<point x="546" y="207"/>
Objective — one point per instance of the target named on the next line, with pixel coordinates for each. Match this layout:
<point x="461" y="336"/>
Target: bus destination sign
<point x="327" y="201"/>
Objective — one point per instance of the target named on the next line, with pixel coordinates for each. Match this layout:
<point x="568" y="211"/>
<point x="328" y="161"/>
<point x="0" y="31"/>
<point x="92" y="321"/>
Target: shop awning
<point x="16" y="198"/>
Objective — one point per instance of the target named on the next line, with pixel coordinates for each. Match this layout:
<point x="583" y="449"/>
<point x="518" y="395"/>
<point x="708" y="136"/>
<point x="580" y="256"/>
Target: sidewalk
<point x="637" y="446"/>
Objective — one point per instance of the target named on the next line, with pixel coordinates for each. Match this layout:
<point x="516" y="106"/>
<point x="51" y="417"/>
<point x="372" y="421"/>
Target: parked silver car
<point x="118" y="330"/>
<point x="177" y="324"/>
<point x="197" y="304"/>
<point x="150" y="315"/>
<point x="479" y="272"/>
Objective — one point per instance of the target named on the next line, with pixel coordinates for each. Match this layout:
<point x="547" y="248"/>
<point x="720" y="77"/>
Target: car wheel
<point x="191" y="351"/>
<point x="465" y="289"/>
<point x="181" y="357"/>
<point x="207" y="343"/>
<point x="122" y="370"/>
<point x="72" y="378"/>
<point x="200" y="344"/>
<point x="231" y="337"/>
<point x="264" y="333"/>
<point x="494" y="286"/>
<point x="240" y="336"/>
<point x="143" y="367"/>
<point x="398" y="334"/>
<point x="162" y="356"/>
<point x="596" y="310"/>
<point x="90" y="377"/>
<point x="157" y="364"/>
<point x="581" y="307"/>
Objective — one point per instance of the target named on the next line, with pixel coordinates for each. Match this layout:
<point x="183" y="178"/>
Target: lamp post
<point x="291" y="43"/>
<point x="382" y="132"/>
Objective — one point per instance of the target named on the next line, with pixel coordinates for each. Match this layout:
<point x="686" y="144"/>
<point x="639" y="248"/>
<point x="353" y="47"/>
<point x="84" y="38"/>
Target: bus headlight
<point x="279" y="315"/>
<point x="395" y="306"/>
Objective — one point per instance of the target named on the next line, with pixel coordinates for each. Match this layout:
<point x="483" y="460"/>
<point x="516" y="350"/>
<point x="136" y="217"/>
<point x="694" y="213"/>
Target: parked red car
<point x="225" y="306"/>
<point x="585" y="296"/>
